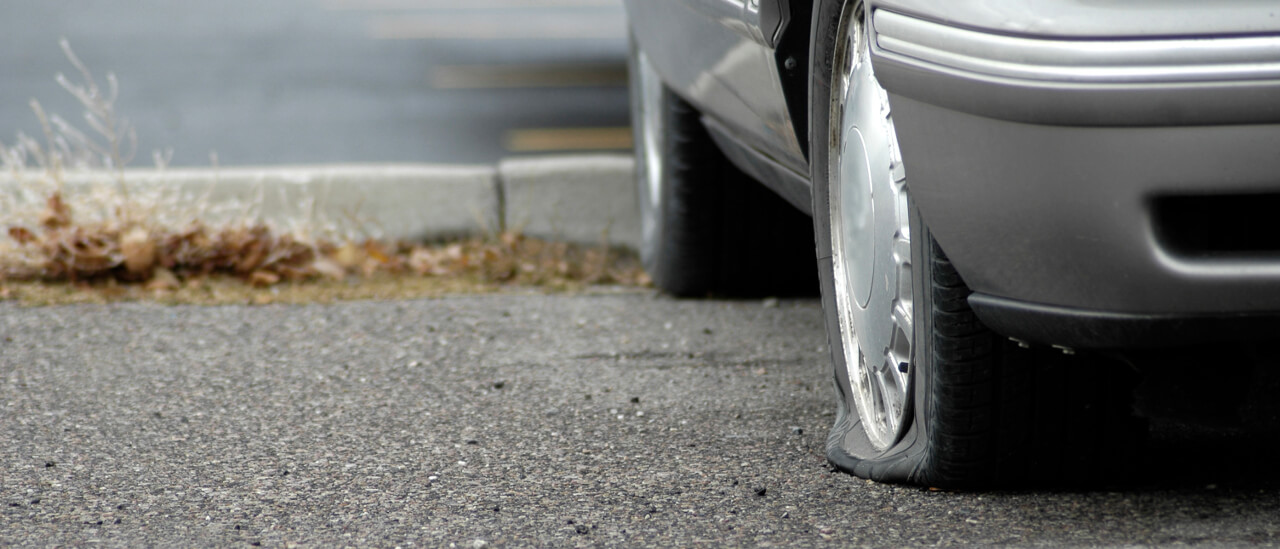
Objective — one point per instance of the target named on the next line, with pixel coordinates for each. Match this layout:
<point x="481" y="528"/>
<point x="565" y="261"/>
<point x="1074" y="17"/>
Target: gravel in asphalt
<point x="526" y="420"/>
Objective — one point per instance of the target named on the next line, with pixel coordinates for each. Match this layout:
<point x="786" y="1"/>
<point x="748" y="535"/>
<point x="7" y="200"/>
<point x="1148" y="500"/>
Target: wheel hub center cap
<point x="859" y="227"/>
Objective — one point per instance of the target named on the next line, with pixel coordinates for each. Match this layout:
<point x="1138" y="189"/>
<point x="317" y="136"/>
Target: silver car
<point x="1013" y="203"/>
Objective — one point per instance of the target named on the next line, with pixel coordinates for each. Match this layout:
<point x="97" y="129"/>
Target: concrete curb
<point x="572" y="198"/>
<point x="584" y="199"/>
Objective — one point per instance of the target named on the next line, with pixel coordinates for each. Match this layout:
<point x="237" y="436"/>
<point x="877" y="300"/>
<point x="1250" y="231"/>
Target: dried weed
<point x="108" y="256"/>
<point x="117" y="244"/>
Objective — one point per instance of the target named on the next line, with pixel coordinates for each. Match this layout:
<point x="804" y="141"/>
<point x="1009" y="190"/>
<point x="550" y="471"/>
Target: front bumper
<point x="1041" y="163"/>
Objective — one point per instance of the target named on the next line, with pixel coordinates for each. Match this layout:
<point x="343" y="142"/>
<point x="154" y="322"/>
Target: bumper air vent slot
<point x="1229" y="226"/>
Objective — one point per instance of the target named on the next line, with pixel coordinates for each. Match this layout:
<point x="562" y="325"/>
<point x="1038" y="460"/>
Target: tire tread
<point x="1002" y="415"/>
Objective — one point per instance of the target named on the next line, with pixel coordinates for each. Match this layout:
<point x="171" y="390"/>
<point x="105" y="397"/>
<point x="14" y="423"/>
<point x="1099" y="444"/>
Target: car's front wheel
<point x="926" y="393"/>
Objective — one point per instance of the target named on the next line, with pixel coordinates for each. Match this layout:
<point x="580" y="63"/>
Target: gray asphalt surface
<point x="304" y="81"/>
<point x="517" y="420"/>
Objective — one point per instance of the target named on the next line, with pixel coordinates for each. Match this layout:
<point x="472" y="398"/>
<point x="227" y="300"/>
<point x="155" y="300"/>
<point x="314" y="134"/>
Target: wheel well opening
<point x="792" y="57"/>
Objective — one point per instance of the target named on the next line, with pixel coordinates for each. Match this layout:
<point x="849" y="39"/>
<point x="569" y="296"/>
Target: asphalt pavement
<point x="332" y="81"/>
<point x="524" y="420"/>
<point x="624" y="418"/>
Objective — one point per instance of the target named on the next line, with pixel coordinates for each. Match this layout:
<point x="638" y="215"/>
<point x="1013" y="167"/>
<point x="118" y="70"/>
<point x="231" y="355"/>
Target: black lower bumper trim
<point x="1090" y="329"/>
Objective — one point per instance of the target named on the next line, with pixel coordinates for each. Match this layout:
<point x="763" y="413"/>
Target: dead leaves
<point x="515" y="259"/>
<point x="262" y="279"/>
<point x="165" y="260"/>
<point x="56" y="214"/>
<point x="139" y="251"/>
<point x="21" y="235"/>
<point x="163" y="280"/>
<point x="76" y="253"/>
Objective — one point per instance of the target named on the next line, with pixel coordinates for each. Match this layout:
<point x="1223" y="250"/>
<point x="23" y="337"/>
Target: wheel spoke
<point x="902" y="318"/>
<point x="902" y="249"/>
<point x="888" y="399"/>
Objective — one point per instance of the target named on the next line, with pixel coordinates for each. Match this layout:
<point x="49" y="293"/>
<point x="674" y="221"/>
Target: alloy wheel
<point x="871" y="239"/>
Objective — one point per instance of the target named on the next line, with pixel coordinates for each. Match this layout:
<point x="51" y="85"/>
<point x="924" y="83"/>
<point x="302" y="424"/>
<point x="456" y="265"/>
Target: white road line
<point x="489" y="28"/>
<point x="397" y="5"/>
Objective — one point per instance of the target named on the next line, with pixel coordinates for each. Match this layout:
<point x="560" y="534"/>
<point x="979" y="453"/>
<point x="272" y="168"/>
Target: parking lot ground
<point x="627" y="419"/>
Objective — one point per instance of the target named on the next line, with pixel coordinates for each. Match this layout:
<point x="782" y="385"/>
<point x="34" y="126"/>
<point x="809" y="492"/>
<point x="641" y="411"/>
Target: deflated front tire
<point x="926" y="394"/>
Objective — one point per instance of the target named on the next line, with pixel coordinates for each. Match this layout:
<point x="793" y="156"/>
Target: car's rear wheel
<point x="926" y="393"/>
<point x="707" y="228"/>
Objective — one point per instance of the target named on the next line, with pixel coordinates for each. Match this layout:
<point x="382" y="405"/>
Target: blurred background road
<point x="318" y="81"/>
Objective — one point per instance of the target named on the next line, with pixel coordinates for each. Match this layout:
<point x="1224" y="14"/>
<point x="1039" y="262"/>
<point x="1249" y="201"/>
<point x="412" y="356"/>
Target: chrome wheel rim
<point x="650" y="89"/>
<point x="870" y="239"/>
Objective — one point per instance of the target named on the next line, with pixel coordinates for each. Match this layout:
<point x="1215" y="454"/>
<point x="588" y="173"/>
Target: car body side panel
<point x="710" y="53"/>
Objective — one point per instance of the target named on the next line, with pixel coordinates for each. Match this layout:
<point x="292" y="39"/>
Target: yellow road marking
<point x="568" y="139"/>
<point x="461" y="77"/>
<point x="489" y="28"/>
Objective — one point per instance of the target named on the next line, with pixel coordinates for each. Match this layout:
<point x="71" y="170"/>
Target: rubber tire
<point x="983" y="412"/>
<point x="718" y="231"/>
